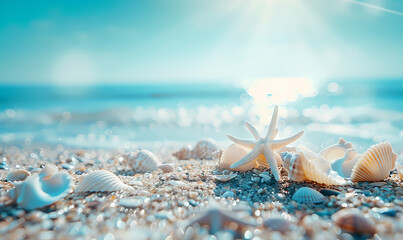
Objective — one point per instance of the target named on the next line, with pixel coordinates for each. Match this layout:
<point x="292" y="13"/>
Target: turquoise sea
<point x="364" y="112"/>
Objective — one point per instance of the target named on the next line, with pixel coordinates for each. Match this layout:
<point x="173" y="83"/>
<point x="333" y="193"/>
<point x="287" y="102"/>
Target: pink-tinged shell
<point x="233" y="154"/>
<point x="101" y="181"/>
<point x="399" y="165"/>
<point x="184" y="153"/>
<point x="293" y="165"/>
<point x="335" y="151"/>
<point x="17" y="175"/>
<point x="204" y="149"/>
<point x="375" y="164"/>
<point x="307" y="195"/>
<point x="351" y="220"/>
<point x="217" y="154"/>
<point x="143" y="161"/>
<point x="277" y="224"/>
<point x="167" y="167"/>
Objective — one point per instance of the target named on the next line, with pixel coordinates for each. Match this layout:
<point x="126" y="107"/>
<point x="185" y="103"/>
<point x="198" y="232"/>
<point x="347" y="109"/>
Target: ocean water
<point x="152" y="116"/>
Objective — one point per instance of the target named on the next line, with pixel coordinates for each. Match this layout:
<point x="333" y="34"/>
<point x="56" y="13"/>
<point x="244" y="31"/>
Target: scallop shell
<point x="277" y="224"/>
<point x="17" y="175"/>
<point x="293" y="165"/>
<point x="399" y="165"/>
<point x="204" y="149"/>
<point x="335" y="151"/>
<point x="319" y="170"/>
<point x="375" y="164"/>
<point x="307" y="195"/>
<point x="101" y="181"/>
<point x="351" y="220"/>
<point x="344" y="165"/>
<point x="143" y="161"/>
<point x="184" y="153"/>
<point x="262" y="162"/>
<point x="166" y="167"/>
<point x="36" y="192"/>
<point x="233" y="154"/>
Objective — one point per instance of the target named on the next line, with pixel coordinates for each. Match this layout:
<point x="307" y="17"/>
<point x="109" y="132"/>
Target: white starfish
<point x="264" y="145"/>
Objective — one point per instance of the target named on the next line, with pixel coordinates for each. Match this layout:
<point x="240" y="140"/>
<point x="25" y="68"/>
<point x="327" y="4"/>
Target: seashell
<point x="225" y="178"/>
<point x="166" y="167"/>
<point x="17" y="175"/>
<point x="36" y="192"/>
<point x="262" y="162"/>
<point x="307" y="195"/>
<point x="101" y="181"/>
<point x="217" y="154"/>
<point x="329" y="192"/>
<point x="351" y="220"/>
<point x="48" y="170"/>
<point x="344" y="165"/>
<point x="375" y="164"/>
<point x="233" y="154"/>
<point x="143" y="161"/>
<point x="319" y="170"/>
<point x="134" y="202"/>
<point x="399" y="165"/>
<point x="184" y="153"/>
<point x="277" y="224"/>
<point x="204" y="149"/>
<point x="335" y="151"/>
<point x="293" y="165"/>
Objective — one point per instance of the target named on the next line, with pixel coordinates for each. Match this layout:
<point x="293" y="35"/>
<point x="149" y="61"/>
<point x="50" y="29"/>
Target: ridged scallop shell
<point x="307" y="195"/>
<point x="143" y="161"/>
<point x="335" y="151"/>
<point x="319" y="170"/>
<point x="351" y="220"/>
<point x="36" y="192"/>
<point x="101" y="181"/>
<point x="184" y="153"/>
<point x="233" y="154"/>
<point x="399" y="165"/>
<point x="204" y="149"/>
<point x="375" y="164"/>
<point x="293" y="165"/>
<point x="17" y="175"/>
<point x="166" y="167"/>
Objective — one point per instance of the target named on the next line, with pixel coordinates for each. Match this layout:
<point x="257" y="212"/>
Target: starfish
<point x="264" y="145"/>
<point x="217" y="218"/>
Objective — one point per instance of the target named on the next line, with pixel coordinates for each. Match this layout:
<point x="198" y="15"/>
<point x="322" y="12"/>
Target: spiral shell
<point x="351" y="220"/>
<point x="233" y="154"/>
<point x="166" y="167"/>
<point x="143" y="161"/>
<point x="204" y="149"/>
<point x="184" y="153"/>
<point x="101" y="181"/>
<point x="293" y="165"/>
<point x="335" y="151"/>
<point x="307" y="195"/>
<point x="17" y="175"/>
<point x="375" y="164"/>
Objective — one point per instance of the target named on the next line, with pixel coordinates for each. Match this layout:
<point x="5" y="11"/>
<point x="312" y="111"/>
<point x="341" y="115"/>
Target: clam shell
<point x="204" y="149"/>
<point x="307" y="195"/>
<point x="293" y="165"/>
<point x="335" y="151"/>
<point x="277" y="224"/>
<point x="101" y="181"/>
<point x="36" y="192"/>
<point x="184" y="153"/>
<point x="375" y="164"/>
<point x="143" y="161"/>
<point x="225" y="178"/>
<point x="233" y="154"/>
<point x="351" y="220"/>
<point x="17" y="175"/>
<point x="166" y="167"/>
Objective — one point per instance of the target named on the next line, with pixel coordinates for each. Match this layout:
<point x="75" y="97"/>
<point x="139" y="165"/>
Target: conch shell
<point x="101" y="181"/>
<point x="41" y="190"/>
<point x="375" y="164"/>
<point x="293" y="165"/>
<point x="143" y="161"/>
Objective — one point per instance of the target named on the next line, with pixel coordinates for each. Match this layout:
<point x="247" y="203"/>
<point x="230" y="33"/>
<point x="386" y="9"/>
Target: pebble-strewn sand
<point x="165" y="202"/>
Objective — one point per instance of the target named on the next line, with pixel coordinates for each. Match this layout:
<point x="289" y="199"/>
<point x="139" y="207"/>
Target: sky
<point x="128" y="42"/>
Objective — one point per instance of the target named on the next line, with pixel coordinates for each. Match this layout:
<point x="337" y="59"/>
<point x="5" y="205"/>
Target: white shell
<point x="36" y="192"/>
<point x="17" y="175"/>
<point x="399" y="165"/>
<point x="319" y="170"/>
<point x="143" y="161"/>
<point x="184" y="153"/>
<point x="233" y="154"/>
<point x="293" y="165"/>
<point x="307" y="195"/>
<point x="204" y="149"/>
<point x="344" y="165"/>
<point x="166" y="167"/>
<point x="101" y="181"/>
<point x="375" y="164"/>
<point x="225" y="178"/>
<point x="335" y="151"/>
<point x="48" y="170"/>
